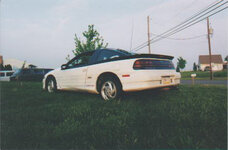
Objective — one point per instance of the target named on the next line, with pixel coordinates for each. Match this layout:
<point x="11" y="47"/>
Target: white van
<point x="5" y="75"/>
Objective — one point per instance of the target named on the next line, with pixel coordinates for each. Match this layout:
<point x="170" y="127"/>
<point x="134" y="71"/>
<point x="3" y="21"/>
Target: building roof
<point x="204" y="59"/>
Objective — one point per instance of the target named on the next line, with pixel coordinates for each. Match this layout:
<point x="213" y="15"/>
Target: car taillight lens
<point x="140" y="64"/>
<point x="153" y="64"/>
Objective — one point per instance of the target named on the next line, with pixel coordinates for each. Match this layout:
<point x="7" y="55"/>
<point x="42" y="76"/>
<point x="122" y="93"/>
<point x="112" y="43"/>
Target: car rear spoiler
<point x="152" y="56"/>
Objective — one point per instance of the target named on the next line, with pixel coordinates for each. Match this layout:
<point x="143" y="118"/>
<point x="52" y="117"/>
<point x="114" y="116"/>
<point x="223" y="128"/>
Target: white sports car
<point x="109" y="72"/>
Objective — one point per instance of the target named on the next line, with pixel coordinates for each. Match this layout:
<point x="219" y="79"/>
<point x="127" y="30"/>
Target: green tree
<point x="93" y="41"/>
<point x="226" y="58"/>
<point x="194" y="67"/>
<point x="2" y="67"/>
<point x="8" y="67"/>
<point x="181" y="63"/>
<point x="177" y="69"/>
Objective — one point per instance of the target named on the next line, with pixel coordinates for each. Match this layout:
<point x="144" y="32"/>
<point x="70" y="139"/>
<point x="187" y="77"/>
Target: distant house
<point x="216" y="62"/>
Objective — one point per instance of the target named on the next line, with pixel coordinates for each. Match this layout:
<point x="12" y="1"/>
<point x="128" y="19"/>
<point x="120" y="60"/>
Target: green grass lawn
<point x="219" y="75"/>
<point x="191" y="117"/>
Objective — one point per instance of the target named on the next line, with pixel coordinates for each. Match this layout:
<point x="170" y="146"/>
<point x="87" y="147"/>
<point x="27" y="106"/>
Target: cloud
<point x="68" y="8"/>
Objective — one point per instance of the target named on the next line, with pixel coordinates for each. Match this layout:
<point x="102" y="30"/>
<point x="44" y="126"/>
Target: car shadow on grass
<point x="146" y="94"/>
<point x="152" y="94"/>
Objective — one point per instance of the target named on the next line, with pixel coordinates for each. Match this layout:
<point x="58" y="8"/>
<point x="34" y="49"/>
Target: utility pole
<point x="209" y="45"/>
<point x="148" y="30"/>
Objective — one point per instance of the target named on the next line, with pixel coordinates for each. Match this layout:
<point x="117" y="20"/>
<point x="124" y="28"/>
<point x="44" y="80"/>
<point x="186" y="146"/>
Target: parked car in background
<point x="29" y="74"/>
<point x="5" y="75"/>
<point x="110" y="72"/>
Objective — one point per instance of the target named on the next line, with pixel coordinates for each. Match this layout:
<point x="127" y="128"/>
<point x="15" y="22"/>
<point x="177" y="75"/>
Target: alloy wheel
<point x="108" y="90"/>
<point x="51" y="86"/>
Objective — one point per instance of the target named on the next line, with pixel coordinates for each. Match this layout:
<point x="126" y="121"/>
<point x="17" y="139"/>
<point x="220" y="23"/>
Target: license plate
<point x="166" y="80"/>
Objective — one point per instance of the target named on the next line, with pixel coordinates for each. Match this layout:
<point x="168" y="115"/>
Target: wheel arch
<point x="102" y="76"/>
<point x="48" y="78"/>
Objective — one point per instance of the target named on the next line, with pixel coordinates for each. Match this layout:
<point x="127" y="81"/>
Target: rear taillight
<point x="140" y="64"/>
<point x="153" y="64"/>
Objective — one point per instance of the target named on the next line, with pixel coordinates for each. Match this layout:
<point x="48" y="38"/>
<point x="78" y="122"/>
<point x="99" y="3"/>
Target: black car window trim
<point x="112" y="60"/>
<point x="78" y="56"/>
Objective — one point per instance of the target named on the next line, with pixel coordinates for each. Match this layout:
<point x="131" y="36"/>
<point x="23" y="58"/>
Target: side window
<point x="9" y="73"/>
<point x="108" y="54"/>
<point x="79" y="61"/>
<point x="2" y="74"/>
<point x="39" y="71"/>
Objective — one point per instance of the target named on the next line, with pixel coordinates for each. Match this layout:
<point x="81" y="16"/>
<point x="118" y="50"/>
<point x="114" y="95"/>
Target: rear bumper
<point x="149" y="79"/>
<point x="138" y="86"/>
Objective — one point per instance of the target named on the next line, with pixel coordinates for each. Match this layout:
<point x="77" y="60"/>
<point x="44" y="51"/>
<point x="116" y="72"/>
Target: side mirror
<point x="64" y="66"/>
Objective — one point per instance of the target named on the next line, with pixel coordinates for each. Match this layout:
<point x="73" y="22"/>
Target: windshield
<point x="16" y="72"/>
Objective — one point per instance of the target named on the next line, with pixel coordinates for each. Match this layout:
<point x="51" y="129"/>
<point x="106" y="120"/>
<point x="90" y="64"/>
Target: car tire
<point x="51" y="85"/>
<point x="110" y="89"/>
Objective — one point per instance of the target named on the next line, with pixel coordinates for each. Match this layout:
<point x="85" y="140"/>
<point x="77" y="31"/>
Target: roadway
<point x="213" y="82"/>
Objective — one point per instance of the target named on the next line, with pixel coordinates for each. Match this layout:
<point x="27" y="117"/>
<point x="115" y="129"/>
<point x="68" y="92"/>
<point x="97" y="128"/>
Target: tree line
<point x="6" y="67"/>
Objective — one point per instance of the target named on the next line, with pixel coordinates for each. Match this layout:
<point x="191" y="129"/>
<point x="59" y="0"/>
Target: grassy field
<point x="204" y="74"/>
<point x="191" y="117"/>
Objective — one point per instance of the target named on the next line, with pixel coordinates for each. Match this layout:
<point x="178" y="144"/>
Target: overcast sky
<point x="42" y="31"/>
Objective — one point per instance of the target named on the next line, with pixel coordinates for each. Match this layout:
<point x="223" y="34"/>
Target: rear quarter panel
<point x="138" y="79"/>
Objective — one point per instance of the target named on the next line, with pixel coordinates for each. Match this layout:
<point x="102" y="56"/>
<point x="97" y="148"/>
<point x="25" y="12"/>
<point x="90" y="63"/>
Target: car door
<point x="26" y="75"/>
<point x="73" y="76"/>
<point x="38" y="74"/>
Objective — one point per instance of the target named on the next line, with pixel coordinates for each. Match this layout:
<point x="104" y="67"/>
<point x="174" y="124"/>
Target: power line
<point x="187" y="20"/>
<point x="187" y="6"/>
<point x="182" y="27"/>
<point x="199" y="13"/>
<point x="195" y="15"/>
<point x="192" y="22"/>
<point x="186" y="27"/>
<point x="188" y="38"/>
